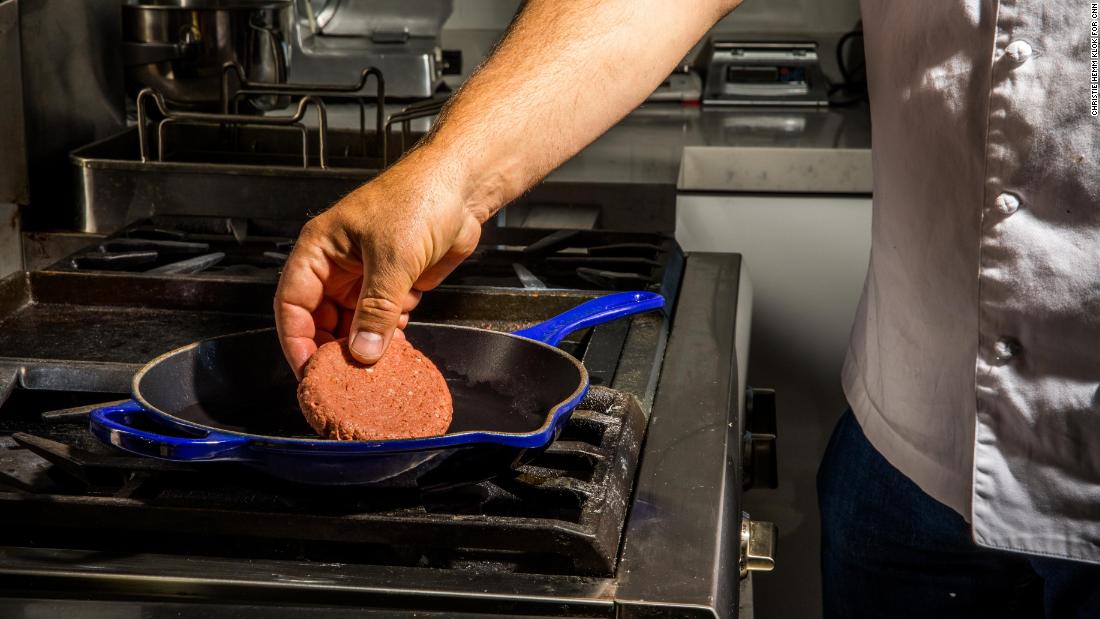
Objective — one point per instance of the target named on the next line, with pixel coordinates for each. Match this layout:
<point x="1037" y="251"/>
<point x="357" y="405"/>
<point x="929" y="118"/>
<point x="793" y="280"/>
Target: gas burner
<point x="579" y="259"/>
<point x="526" y="258"/>
<point x="193" y="246"/>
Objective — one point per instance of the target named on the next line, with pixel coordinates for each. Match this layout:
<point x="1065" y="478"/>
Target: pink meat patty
<point x="402" y="396"/>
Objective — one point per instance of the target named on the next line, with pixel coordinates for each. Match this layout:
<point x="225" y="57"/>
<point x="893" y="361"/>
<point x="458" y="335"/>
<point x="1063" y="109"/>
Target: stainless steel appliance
<point x="332" y="40"/>
<point x="765" y="72"/>
<point x="635" y="511"/>
<point x="221" y="160"/>
<point x="230" y="164"/>
<point x="178" y="47"/>
<point x="203" y="164"/>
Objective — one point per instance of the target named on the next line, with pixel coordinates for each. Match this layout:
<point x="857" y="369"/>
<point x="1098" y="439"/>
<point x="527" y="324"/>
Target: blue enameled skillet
<point x="232" y="398"/>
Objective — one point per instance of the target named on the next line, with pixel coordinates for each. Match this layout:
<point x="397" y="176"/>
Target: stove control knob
<point x="758" y="542"/>
<point x="760" y="463"/>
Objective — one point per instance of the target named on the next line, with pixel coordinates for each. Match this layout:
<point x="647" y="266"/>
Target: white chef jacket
<point x="974" y="363"/>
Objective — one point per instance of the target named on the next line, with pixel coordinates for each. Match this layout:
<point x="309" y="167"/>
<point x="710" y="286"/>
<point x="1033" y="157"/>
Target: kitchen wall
<point x="753" y="16"/>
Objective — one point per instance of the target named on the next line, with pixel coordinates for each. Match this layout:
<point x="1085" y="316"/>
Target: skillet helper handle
<point x="590" y="313"/>
<point x="113" y="424"/>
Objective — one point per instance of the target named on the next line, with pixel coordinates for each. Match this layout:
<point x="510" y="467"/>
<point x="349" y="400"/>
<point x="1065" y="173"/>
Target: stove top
<point x="635" y="508"/>
<point x="561" y="514"/>
<point x="256" y="249"/>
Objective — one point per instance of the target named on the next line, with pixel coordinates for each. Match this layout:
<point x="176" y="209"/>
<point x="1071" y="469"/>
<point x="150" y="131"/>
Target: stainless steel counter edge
<point x="754" y="149"/>
<point x="758" y="150"/>
<point x="223" y="583"/>
<point x="684" y="490"/>
<point x="796" y="170"/>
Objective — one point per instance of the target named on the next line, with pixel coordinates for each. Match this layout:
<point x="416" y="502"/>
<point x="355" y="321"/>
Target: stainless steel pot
<point x="178" y="47"/>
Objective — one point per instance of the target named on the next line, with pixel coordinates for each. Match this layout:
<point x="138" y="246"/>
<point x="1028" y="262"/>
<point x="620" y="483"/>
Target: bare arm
<point x="565" y="73"/>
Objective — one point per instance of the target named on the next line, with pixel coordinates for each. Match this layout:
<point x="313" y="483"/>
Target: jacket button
<point x="1005" y="349"/>
<point x="1019" y="51"/>
<point x="1007" y="203"/>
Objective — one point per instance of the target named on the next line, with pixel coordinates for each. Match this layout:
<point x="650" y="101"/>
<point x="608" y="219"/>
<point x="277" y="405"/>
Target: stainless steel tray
<point x="257" y="172"/>
<point x="238" y="165"/>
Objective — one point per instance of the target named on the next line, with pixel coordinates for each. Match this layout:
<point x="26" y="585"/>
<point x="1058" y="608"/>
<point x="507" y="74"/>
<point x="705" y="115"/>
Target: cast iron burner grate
<point x="219" y="246"/>
<point x="562" y="514"/>
<point x="528" y="258"/>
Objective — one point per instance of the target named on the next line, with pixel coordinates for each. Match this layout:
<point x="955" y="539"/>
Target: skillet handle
<point x="594" y="312"/>
<point x="113" y="424"/>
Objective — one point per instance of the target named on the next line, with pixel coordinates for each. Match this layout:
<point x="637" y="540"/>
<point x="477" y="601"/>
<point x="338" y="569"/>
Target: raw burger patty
<point x="401" y="396"/>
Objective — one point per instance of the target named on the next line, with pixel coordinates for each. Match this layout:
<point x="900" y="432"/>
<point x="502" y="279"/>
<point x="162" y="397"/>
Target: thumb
<point x="377" y="314"/>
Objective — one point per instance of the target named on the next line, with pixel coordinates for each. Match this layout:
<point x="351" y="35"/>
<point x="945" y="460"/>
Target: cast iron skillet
<point x="232" y="398"/>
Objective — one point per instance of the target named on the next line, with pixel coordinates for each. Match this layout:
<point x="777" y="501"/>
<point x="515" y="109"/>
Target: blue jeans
<point x="890" y="550"/>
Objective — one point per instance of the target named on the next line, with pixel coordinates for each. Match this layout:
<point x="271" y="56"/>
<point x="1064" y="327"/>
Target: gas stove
<point x="634" y="510"/>
<point x="255" y="249"/>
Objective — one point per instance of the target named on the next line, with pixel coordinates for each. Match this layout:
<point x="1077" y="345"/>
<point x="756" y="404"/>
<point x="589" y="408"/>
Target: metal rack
<point x="247" y="87"/>
<point x="230" y="117"/>
<point x="171" y="117"/>
<point x="424" y="109"/>
<point x="233" y="163"/>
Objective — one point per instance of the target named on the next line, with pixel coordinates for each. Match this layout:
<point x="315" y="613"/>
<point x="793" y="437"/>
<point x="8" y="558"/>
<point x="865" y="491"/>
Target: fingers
<point x="377" y="318"/>
<point x="386" y="296"/>
<point x="355" y="274"/>
<point x="326" y="318"/>
<point x="412" y="299"/>
<point x="464" y="244"/>
<point x="372" y="329"/>
<point x="297" y="351"/>
<point x="343" y="325"/>
<point x="328" y="291"/>
<point x="438" y="272"/>
<point x="299" y="295"/>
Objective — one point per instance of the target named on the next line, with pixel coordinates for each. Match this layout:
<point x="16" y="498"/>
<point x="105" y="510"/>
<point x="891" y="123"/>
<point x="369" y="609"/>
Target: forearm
<point x="564" y="74"/>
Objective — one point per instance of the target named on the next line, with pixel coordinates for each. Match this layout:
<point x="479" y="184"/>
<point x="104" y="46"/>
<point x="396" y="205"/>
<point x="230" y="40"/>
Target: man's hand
<point x="564" y="74"/>
<point x="359" y="268"/>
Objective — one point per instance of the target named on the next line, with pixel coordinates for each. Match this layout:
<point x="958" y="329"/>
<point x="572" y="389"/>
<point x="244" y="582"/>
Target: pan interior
<point x="239" y="383"/>
<point x="242" y="383"/>
<point x="498" y="383"/>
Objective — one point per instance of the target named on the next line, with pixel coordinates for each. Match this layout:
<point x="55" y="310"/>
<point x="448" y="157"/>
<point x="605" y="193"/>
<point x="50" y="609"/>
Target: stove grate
<point x="563" y="513"/>
<point x="167" y="246"/>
